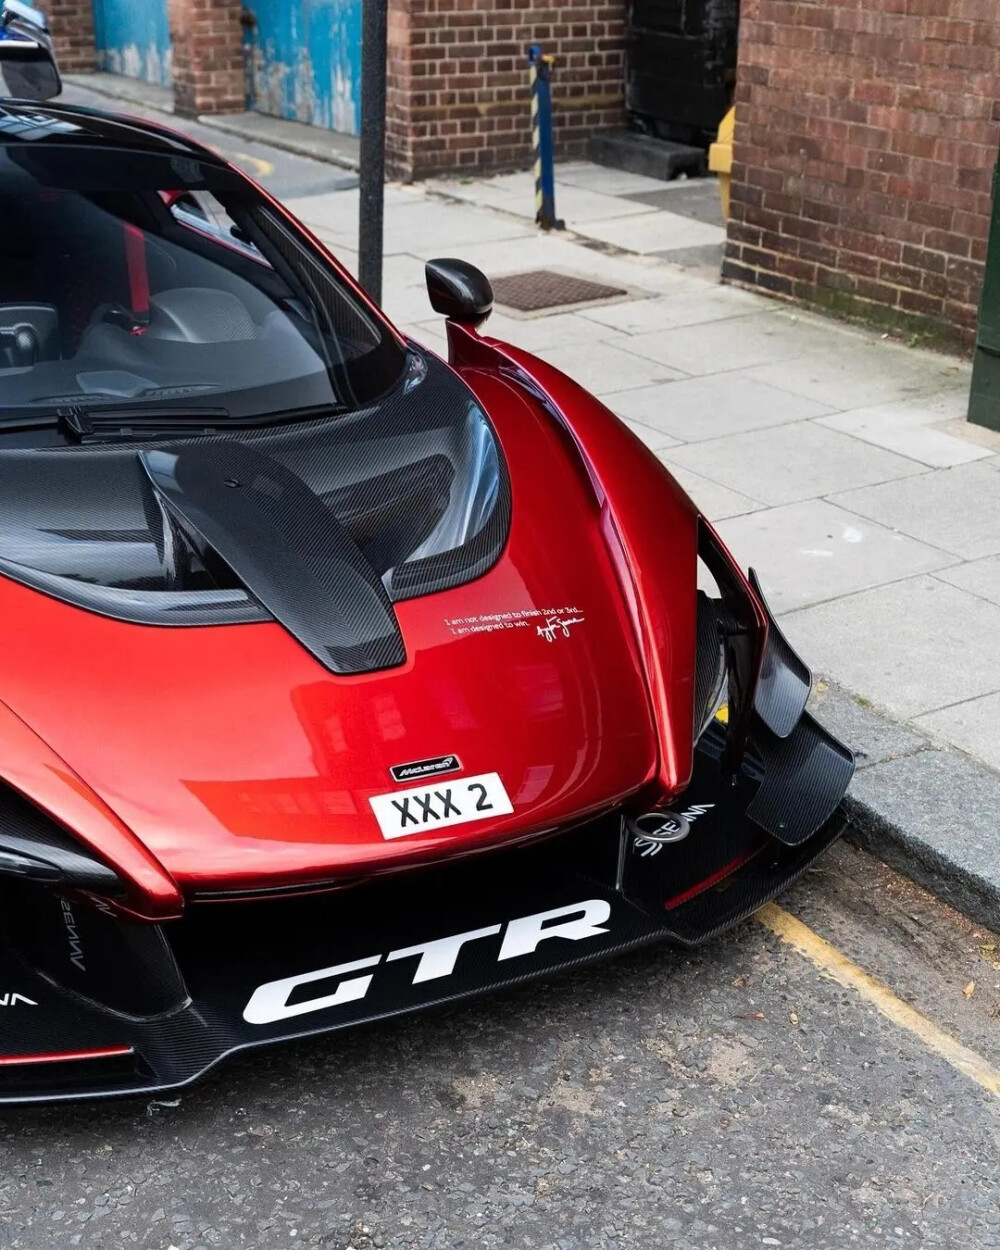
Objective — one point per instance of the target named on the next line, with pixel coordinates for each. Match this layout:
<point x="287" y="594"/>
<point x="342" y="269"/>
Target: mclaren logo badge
<point x="281" y="1000"/>
<point x="425" y="768"/>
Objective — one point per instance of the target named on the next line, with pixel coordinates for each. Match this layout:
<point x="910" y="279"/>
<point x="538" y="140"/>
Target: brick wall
<point x="458" y="79"/>
<point x="208" y="68"/>
<point x="866" y="137"/>
<point x="72" y="26"/>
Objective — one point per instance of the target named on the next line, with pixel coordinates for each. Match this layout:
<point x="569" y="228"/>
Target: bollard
<point x="540" y="68"/>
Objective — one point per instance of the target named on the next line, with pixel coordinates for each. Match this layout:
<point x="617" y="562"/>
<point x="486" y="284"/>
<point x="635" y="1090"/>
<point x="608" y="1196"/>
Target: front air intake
<point x="33" y="847"/>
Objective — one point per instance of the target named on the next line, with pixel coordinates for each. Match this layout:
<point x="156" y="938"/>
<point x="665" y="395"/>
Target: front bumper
<point x="150" y="1008"/>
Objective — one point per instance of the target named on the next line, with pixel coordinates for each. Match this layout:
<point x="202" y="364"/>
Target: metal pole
<point x="540" y="70"/>
<point x="373" y="90"/>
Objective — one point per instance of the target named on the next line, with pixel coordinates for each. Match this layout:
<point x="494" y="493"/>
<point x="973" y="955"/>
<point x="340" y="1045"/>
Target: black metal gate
<point x="680" y="65"/>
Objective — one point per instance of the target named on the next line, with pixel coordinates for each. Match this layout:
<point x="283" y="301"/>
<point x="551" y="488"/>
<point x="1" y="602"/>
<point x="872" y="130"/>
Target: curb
<point x="294" y="137"/>
<point x="325" y="145"/>
<point x="927" y="810"/>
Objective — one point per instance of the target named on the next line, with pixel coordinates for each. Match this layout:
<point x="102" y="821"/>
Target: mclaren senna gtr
<point x="337" y="680"/>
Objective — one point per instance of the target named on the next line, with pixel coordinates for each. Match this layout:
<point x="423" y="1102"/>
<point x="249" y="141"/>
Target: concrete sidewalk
<point x="835" y="461"/>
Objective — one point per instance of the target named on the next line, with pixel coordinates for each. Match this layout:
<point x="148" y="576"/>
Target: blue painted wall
<point x="133" y="38"/>
<point x="307" y="61"/>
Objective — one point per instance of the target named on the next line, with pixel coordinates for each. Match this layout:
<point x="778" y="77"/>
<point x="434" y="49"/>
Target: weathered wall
<point x="458" y="79"/>
<point x="208" y="70"/>
<point x="72" y="25"/>
<point x="866" y="138"/>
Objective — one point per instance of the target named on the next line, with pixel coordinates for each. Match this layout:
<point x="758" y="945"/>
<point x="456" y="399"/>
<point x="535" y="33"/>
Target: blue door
<point x="306" y="61"/>
<point x="133" y="38"/>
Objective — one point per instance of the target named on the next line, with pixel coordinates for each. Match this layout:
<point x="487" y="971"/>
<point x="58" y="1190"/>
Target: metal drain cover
<point x="541" y="288"/>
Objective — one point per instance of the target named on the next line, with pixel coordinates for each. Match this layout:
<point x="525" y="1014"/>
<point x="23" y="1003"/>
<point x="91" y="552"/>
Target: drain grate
<point x="541" y="288"/>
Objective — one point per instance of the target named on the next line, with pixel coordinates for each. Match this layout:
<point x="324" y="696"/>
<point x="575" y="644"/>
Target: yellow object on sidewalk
<point x="720" y="157"/>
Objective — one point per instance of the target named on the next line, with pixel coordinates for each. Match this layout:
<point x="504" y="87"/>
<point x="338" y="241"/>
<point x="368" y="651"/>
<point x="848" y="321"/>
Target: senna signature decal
<point x="549" y="623"/>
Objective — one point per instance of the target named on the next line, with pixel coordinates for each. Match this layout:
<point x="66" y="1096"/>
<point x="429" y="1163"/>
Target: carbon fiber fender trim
<point x="785" y="679"/>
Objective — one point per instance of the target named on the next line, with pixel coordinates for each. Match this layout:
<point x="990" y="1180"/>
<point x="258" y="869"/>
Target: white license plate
<point x="452" y="802"/>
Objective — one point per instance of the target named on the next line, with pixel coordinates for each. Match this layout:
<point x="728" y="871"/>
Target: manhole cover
<point x="530" y="292"/>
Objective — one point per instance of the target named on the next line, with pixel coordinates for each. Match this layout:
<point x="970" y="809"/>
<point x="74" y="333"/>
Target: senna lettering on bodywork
<point x="436" y="959"/>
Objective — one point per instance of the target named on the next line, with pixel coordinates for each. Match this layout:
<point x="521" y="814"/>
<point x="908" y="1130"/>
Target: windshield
<point x="135" y="279"/>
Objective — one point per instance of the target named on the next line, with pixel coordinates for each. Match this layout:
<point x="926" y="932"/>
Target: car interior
<point x="128" y="295"/>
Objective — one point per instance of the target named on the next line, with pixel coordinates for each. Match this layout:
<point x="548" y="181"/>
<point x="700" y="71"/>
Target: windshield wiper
<point x="135" y="421"/>
<point x="131" y="421"/>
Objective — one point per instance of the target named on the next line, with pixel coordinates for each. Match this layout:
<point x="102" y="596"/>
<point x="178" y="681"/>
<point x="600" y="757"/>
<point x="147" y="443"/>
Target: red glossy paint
<point x="651" y="530"/>
<point x="32" y="767"/>
<point x="239" y="762"/>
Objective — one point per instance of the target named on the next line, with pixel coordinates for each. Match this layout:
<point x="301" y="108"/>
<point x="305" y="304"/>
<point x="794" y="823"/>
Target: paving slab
<point x="788" y="463"/>
<point x="716" y="502"/>
<point x="955" y="509"/>
<point x="912" y="647"/>
<point x="705" y="258"/>
<point x="912" y="427"/>
<point x="971" y="726"/>
<point x="414" y="223"/>
<point x="654" y="439"/>
<point x="693" y="197"/>
<point x="606" y="367"/>
<point x="847" y="370"/>
<point x="811" y="552"/>
<point x="654" y="231"/>
<point x="537" y="334"/>
<point x="579" y="207"/>
<point x="617" y="182"/>
<point x="716" y="405"/>
<point x="755" y="338"/>
<point x="683" y="308"/>
<point x="979" y="577"/>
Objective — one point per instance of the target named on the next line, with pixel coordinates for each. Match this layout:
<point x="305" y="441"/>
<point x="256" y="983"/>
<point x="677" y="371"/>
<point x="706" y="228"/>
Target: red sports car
<point x="336" y="680"/>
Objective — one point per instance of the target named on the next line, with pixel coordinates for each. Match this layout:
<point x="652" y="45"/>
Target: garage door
<point x="133" y="38"/>
<point x="306" y="62"/>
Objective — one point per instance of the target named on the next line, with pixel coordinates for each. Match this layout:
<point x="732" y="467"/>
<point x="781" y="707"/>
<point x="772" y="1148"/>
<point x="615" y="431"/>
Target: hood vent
<point x="285" y="546"/>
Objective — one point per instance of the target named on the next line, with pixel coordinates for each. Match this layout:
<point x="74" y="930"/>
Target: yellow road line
<point x="829" y="960"/>
<point x="264" y="168"/>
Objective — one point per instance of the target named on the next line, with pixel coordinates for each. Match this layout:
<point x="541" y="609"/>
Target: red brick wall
<point x="458" y="79"/>
<point x="207" y="56"/>
<point x="866" y="136"/>
<point x="72" y="26"/>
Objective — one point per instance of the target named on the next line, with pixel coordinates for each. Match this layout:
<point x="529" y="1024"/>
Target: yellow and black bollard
<point x="540" y="68"/>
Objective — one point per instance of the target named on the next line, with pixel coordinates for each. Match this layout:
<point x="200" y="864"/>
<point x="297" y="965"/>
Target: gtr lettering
<point x="269" y="1003"/>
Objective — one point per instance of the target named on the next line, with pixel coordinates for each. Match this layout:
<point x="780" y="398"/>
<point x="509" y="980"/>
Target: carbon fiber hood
<point x="356" y="512"/>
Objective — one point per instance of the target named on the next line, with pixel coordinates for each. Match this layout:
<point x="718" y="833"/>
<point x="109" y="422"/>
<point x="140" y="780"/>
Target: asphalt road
<point x="727" y="1099"/>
